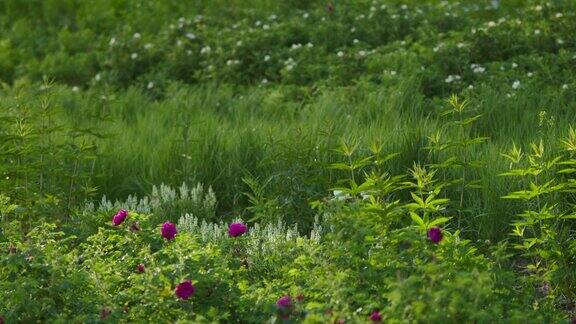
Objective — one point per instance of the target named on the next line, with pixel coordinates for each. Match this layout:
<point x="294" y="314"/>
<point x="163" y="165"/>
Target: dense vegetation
<point x="287" y="161"/>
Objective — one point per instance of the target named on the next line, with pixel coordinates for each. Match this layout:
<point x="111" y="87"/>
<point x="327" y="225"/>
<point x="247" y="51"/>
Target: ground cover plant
<point x="285" y="162"/>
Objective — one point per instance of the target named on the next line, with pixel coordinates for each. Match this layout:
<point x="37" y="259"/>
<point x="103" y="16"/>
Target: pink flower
<point x="376" y="317"/>
<point x="284" y="302"/>
<point x="169" y="230"/>
<point x="237" y="229"/>
<point x="435" y="234"/>
<point x="119" y="217"/>
<point x="185" y="289"/>
<point x="141" y="268"/>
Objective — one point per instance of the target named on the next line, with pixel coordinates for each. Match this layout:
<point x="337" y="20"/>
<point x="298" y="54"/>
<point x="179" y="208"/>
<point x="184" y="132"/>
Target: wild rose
<point x="141" y="268"/>
<point x="376" y="317"/>
<point x="284" y="302"/>
<point x="169" y="230"/>
<point x="435" y="234"/>
<point x="185" y="289"/>
<point x="119" y="217"/>
<point x="237" y="229"/>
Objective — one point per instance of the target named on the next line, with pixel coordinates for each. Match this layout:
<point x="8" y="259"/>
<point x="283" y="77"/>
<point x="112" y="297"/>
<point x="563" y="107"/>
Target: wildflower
<point x="537" y="32"/>
<point x="119" y="217"/>
<point x="184" y="290"/>
<point x="169" y="230"/>
<point x="452" y="78"/>
<point x="141" y="268"/>
<point x="75" y="89"/>
<point x="237" y="229"/>
<point x="190" y="36"/>
<point x="266" y="27"/>
<point x="150" y="85"/>
<point x="376" y="317"/>
<point x="564" y="86"/>
<point x="435" y="234"/>
<point x="284" y="302"/>
<point x="137" y="35"/>
<point x="134" y="56"/>
<point x="135" y="227"/>
<point x="330" y="8"/>
<point x="205" y="50"/>
<point x="148" y="45"/>
<point x="305" y="15"/>
<point x="112" y="41"/>
<point x="340" y="54"/>
<point x="516" y="85"/>
<point x="104" y="313"/>
<point x="266" y="58"/>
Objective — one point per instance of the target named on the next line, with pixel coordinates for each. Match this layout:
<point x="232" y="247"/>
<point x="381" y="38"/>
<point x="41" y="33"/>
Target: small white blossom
<point x="112" y="41"/>
<point x="137" y="36"/>
<point x="266" y="27"/>
<point x="564" y="86"/>
<point x="190" y="36"/>
<point x="150" y="85"/>
<point x="134" y="56"/>
<point x="537" y="32"/>
<point x="206" y="50"/>
<point x="305" y="15"/>
<point x="340" y="54"/>
<point x="516" y="85"/>
<point x="148" y="45"/>
<point x="75" y="89"/>
<point x="266" y="58"/>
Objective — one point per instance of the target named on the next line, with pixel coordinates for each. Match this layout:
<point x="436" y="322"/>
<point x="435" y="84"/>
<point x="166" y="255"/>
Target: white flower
<point x="538" y="8"/>
<point x="393" y="72"/>
<point x="137" y="35"/>
<point x="559" y="15"/>
<point x="272" y="17"/>
<point x="205" y="50"/>
<point x="97" y="77"/>
<point x="530" y="74"/>
<point x="362" y="53"/>
<point x="365" y="195"/>
<point x="560" y="41"/>
<point x="76" y="89"/>
<point x="309" y="45"/>
<point x="190" y="36"/>
<point x="340" y="54"/>
<point x="179" y="42"/>
<point x="239" y="43"/>
<point x="296" y="46"/>
<point x="266" y="58"/>
<point x="460" y="45"/>
<point x="514" y="65"/>
<point x="491" y="24"/>
<point x="516" y="85"/>
<point x="564" y="86"/>
<point x="355" y="41"/>
<point x="452" y="78"/>
<point x="537" y="32"/>
<point x="340" y="195"/>
<point x="148" y="45"/>
<point x="258" y="23"/>
<point x="264" y="81"/>
<point x="112" y="41"/>
<point x="266" y="27"/>
<point x="305" y="15"/>
<point x="134" y="56"/>
<point x="150" y="85"/>
<point x="470" y="87"/>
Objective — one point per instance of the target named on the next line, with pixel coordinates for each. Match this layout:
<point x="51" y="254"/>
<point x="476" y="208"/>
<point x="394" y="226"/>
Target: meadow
<point x="285" y="162"/>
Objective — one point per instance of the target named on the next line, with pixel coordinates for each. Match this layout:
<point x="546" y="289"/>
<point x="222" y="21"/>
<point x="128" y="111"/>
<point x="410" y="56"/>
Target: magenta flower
<point x="185" y="289"/>
<point x="237" y="229"/>
<point x="284" y="302"/>
<point x="169" y="230"/>
<point x="119" y="217"/>
<point x="376" y="317"/>
<point x="141" y="268"/>
<point x="435" y="234"/>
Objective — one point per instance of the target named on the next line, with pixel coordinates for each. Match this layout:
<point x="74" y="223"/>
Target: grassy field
<point x="337" y="131"/>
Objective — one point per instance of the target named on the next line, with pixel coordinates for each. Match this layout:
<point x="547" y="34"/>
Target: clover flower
<point x="284" y="302"/>
<point x="376" y="317"/>
<point x="185" y="289"/>
<point x="169" y="230"/>
<point x="141" y="268"/>
<point x="237" y="229"/>
<point x="119" y="217"/>
<point x="435" y="234"/>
